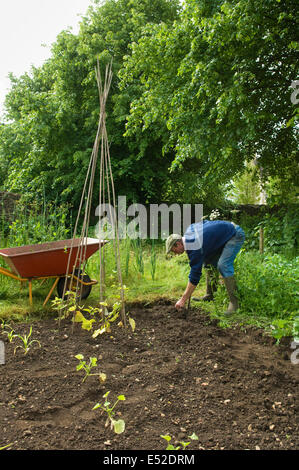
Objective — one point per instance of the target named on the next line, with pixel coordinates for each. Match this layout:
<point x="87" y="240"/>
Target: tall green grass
<point x="35" y="223"/>
<point x="281" y="231"/>
<point x="29" y="224"/>
<point x="269" y="284"/>
<point x="268" y="292"/>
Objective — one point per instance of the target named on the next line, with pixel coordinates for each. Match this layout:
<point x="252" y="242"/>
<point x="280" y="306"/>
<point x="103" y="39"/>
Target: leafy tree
<point x="245" y="187"/>
<point x="204" y="90"/>
<point x="52" y="113"/>
<point x="217" y="87"/>
<point x="42" y="111"/>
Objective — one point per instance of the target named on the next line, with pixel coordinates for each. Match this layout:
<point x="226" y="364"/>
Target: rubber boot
<point x="211" y="286"/>
<point x="231" y="287"/>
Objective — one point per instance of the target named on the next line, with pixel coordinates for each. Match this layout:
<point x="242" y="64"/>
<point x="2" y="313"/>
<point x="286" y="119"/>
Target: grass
<point x="268" y="287"/>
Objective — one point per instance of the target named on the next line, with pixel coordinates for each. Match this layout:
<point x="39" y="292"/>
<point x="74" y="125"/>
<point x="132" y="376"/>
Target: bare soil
<point x="234" y="389"/>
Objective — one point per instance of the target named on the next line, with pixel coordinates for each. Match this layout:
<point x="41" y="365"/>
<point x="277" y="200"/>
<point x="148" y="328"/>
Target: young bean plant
<point x="183" y="445"/>
<point x="107" y="318"/>
<point x="117" y="425"/>
<point x="87" y="367"/>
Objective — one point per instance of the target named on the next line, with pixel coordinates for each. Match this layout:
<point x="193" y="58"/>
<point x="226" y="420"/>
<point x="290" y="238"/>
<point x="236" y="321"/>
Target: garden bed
<point x="234" y="389"/>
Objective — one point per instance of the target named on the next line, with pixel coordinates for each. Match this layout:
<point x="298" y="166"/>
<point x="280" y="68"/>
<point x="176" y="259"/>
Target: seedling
<point x="184" y="445"/>
<point x="279" y="328"/>
<point x="67" y="305"/>
<point x="5" y="447"/>
<point x="117" y="425"/>
<point x="87" y="367"/>
<point x="10" y="334"/>
<point x="107" y="319"/>
<point x="85" y="323"/>
<point x="3" y="324"/>
<point x="26" y="343"/>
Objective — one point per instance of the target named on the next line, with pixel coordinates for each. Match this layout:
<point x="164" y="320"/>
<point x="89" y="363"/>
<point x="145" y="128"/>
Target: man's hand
<point x="187" y="294"/>
<point x="180" y="304"/>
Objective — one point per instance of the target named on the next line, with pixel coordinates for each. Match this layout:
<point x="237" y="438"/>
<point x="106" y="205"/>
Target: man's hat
<point x="171" y="240"/>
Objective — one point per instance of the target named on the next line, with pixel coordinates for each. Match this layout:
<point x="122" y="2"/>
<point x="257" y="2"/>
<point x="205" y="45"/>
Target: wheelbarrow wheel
<point x="83" y="291"/>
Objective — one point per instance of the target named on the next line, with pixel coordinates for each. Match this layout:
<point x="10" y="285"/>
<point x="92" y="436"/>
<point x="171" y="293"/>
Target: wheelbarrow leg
<point x="30" y="291"/>
<point x="51" y="290"/>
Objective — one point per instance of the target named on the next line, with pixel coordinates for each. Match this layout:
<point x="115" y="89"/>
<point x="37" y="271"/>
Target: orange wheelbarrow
<point x="51" y="261"/>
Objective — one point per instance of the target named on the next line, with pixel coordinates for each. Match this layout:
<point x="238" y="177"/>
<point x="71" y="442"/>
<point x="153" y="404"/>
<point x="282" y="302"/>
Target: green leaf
<point x="79" y="317"/>
<point x="79" y="357"/>
<point x="98" y="332"/>
<point x="132" y="323"/>
<point x="93" y="361"/>
<point x="119" y="426"/>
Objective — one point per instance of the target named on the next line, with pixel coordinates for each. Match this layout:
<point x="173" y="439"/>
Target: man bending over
<point x="213" y="244"/>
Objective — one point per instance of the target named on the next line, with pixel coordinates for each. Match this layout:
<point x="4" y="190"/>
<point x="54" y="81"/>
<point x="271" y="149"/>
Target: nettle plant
<point x="117" y="425"/>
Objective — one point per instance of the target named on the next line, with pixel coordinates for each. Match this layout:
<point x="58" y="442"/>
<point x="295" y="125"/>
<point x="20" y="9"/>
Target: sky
<point x="25" y="25"/>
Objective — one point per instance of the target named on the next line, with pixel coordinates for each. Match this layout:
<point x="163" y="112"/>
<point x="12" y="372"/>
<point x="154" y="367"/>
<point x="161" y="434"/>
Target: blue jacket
<point x="207" y="238"/>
